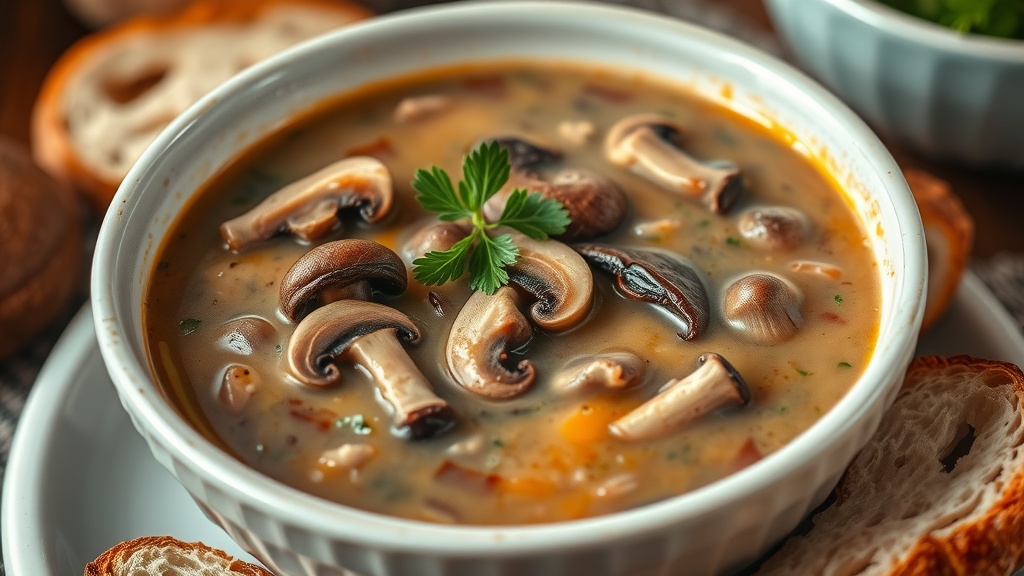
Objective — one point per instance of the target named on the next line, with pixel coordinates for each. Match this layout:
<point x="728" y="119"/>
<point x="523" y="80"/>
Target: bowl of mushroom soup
<point x="569" y="289"/>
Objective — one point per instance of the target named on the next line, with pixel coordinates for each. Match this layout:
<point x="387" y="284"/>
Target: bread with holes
<point x="939" y="489"/>
<point x="168" y="556"/>
<point x="111" y="93"/>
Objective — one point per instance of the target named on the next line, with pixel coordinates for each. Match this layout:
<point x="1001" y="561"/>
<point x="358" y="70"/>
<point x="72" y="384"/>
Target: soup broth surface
<point x="543" y="456"/>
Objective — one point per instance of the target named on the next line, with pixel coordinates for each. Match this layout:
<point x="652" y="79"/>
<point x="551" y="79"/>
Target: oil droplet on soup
<point x="717" y="296"/>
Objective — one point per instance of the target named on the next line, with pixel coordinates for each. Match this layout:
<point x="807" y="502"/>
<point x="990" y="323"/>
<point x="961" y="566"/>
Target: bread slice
<point x="949" y="234"/>
<point x="111" y="93"/>
<point x="939" y="489"/>
<point x="168" y="556"/>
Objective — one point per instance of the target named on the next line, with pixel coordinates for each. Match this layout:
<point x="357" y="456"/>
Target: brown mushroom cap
<point x="682" y="401"/>
<point x="330" y="330"/>
<point x="763" y="307"/>
<point x="246" y="335"/>
<point x="485" y="331"/>
<point x="647" y="145"/>
<point x="338" y="269"/>
<point x="557" y="277"/>
<point x="309" y="207"/>
<point x="596" y="205"/>
<point x="776" y="228"/>
<point x="657" y="276"/>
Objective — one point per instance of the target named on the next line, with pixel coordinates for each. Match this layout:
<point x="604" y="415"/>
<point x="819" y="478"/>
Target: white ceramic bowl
<point x="713" y="529"/>
<point x="947" y="94"/>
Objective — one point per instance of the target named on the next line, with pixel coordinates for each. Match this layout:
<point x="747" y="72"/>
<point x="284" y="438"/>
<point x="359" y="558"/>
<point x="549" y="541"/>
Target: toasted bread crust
<point x="52" y="145"/>
<point x="949" y="234"/>
<point x="108" y="563"/>
<point x="994" y="544"/>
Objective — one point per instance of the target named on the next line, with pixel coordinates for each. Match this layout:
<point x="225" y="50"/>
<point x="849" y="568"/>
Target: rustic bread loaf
<point x="949" y="234"/>
<point x="168" y="556"/>
<point x="939" y="489"/>
<point x="40" y="248"/>
<point x="111" y="93"/>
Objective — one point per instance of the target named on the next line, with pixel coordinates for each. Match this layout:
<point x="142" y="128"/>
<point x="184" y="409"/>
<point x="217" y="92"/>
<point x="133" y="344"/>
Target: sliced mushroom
<point x="337" y="270"/>
<point x="557" y="277"/>
<point x="657" y="276"/>
<point x="308" y="208"/>
<point x="371" y="336"/>
<point x="682" y="401"/>
<point x="434" y="237"/>
<point x="245" y="335"/>
<point x="763" y="307"/>
<point x="647" y="145"/>
<point x="485" y="331"/>
<point x="237" y="387"/>
<point x="774" y="228"/>
<point x="595" y="204"/>
<point x="607" y="371"/>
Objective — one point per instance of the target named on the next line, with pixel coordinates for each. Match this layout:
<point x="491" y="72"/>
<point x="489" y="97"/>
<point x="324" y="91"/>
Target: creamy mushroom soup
<point x="713" y="296"/>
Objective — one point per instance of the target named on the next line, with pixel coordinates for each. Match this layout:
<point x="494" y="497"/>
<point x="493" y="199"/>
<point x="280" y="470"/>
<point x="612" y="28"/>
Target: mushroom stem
<point x="368" y="334"/>
<point x="309" y="207"/>
<point x="642" y="144"/>
<point x="682" y="401"/>
<point x="400" y="382"/>
<point x="484" y="332"/>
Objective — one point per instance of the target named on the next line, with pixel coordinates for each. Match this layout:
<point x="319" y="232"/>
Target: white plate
<point x="79" y="478"/>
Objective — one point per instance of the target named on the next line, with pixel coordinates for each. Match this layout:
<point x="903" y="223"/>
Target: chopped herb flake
<point x="732" y="241"/>
<point x="189" y="325"/>
<point x="355" y="423"/>
<point x="498" y="443"/>
<point x="844" y="365"/>
<point x="163" y="265"/>
<point x="278" y="349"/>
<point x="839" y="299"/>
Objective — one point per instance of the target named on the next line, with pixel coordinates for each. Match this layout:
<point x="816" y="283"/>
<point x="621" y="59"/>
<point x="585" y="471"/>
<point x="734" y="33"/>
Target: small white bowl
<point x="947" y="94"/>
<point x="711" y="530"/>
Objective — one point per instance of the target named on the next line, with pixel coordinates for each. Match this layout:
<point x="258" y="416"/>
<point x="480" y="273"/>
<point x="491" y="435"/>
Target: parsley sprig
<point x="484" y="171"/>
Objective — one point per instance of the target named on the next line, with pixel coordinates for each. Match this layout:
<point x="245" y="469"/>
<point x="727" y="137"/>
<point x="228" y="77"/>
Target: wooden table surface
<point x="33" y="33"/>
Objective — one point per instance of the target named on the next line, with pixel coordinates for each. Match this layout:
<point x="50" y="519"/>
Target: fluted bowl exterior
<point x="709" y="531"/>
<point x="949" y="95"/>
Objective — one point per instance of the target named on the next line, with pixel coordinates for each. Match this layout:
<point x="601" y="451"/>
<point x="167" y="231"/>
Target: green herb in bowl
<point x="1001" y="18"/>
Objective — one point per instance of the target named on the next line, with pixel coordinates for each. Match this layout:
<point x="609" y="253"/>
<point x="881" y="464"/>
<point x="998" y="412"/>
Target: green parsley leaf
<point x="839" y="299"/>
<point x="438" y="267"/>
<point x="844" y="365"/>
<point x="533" y="216"/>
<point x="484" y="170"/>
<point x="189" y="325"/>
<point x="487" y="264"/>
<point x="437" y="195"/>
